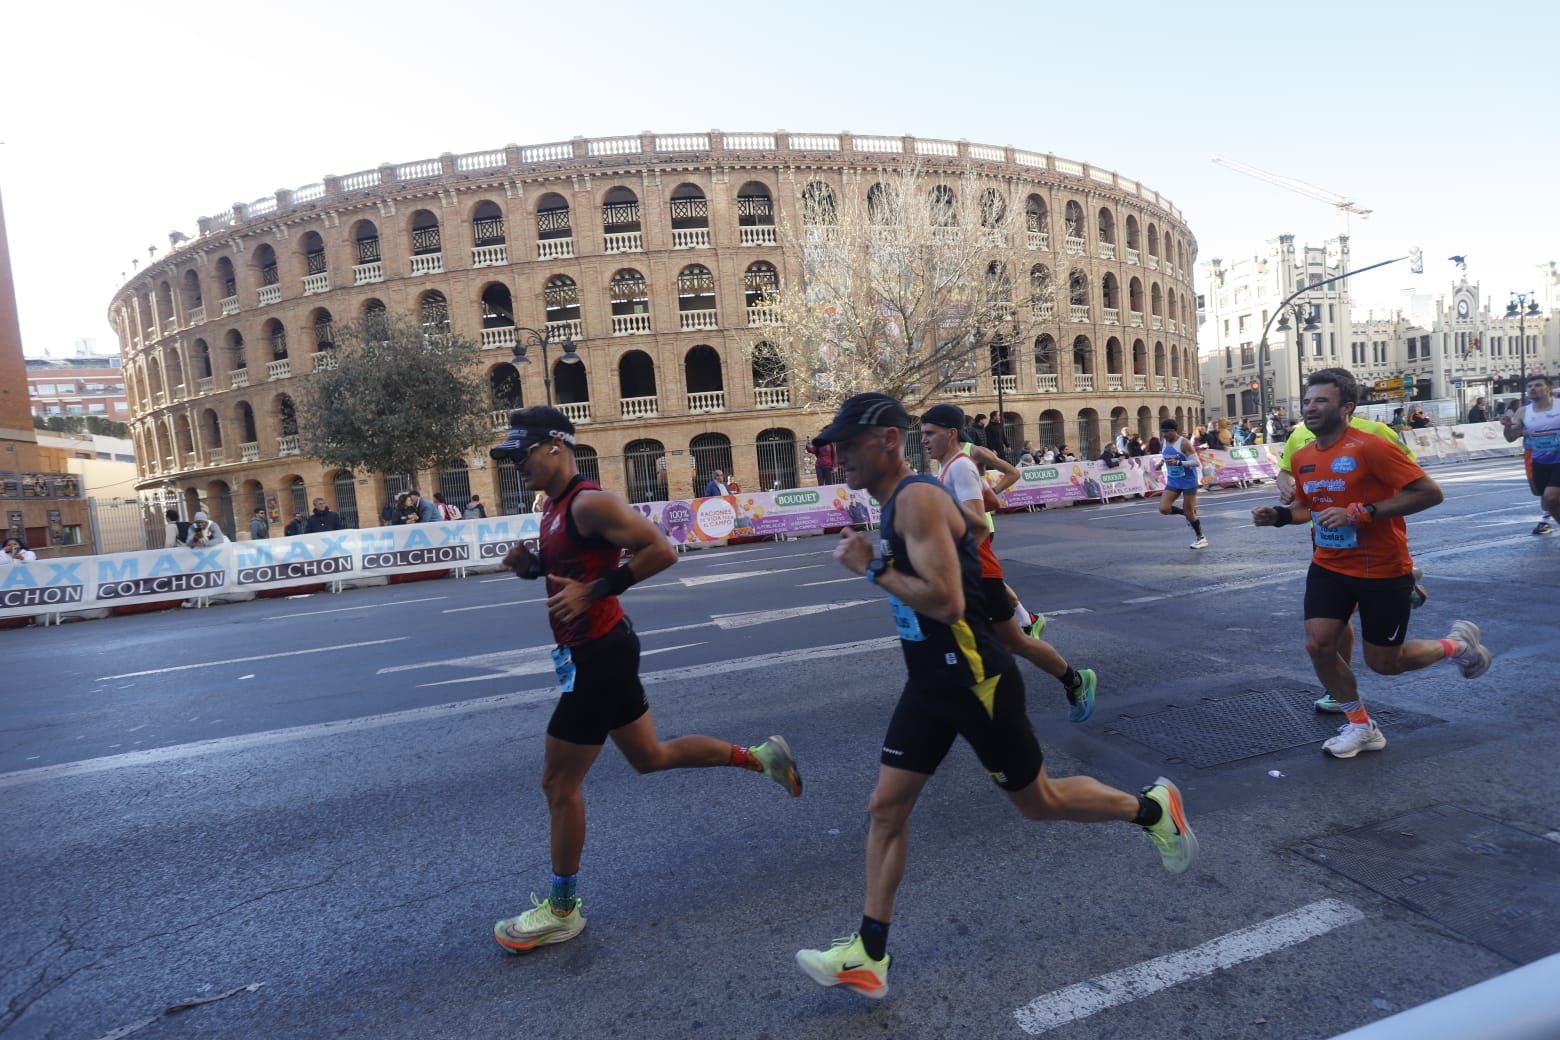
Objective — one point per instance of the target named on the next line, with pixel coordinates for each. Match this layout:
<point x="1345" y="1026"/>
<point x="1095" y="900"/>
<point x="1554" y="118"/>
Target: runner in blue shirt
<point x="1183" y="476"/>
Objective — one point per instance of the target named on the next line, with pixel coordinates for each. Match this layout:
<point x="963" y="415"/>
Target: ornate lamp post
<point x="526" y="337"/>
<point x="1522" y="307"/>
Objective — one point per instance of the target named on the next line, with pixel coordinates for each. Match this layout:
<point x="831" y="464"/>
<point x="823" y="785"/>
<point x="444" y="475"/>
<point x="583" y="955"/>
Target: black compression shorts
<point x="1384" y="603"/>
<point x="1544" y="475"/>
<point x="925" y="723"/>
<point x="607" y="693"/>
<point x="999" y="606"/>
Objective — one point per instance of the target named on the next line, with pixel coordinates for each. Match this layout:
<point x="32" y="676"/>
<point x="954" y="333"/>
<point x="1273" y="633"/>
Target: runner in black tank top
<point x="961" y="682"/>
<point x="596" y="660"/>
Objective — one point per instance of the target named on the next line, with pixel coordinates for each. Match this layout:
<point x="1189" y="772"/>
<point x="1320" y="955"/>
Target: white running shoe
<point x="1353" y="738"/>
<point x="1201" y="543"/>
<point x="1475" y="658"/>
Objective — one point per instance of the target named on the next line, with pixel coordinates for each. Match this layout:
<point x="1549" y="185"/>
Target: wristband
<point x="614" y="584"/>
<point x="1285" y="516"/>
<point x="1361" y="514"/>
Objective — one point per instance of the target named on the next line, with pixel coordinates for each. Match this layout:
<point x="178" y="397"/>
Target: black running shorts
<point x="607" y="692"/>
<point x="1545" y="475"/>
<point x="999" y="606"/>
<point x="926" y="722"/>
<point x="1384" y="603"/>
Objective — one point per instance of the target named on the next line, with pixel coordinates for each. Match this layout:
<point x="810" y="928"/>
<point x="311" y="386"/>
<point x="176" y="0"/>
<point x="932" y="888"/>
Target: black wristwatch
<point x="1372" y="507"/>
<point x="875" y="568"/>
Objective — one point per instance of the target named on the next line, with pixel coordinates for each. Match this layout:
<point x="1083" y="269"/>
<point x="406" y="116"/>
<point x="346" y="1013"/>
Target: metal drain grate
<point x="1256" y="722"/>
<point x="1489" y="882"/>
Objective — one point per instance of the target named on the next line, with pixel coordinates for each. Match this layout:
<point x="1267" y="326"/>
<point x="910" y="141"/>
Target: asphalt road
<point x="336" y="796"/>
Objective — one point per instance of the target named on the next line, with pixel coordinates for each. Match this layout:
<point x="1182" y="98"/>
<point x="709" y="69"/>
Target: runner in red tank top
<point x="596" y="659"/>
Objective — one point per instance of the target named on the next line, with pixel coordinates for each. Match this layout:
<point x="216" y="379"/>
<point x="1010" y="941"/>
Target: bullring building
<point x="652" y="253"/>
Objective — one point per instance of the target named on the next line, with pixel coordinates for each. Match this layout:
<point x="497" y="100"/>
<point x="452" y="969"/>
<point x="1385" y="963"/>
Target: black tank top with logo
<point x="966" y="655"/>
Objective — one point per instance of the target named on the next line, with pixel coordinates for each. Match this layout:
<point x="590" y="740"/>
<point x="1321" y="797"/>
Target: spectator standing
<point x="426" y="512"/>
<point x="204" y="534"/>
<point x="716" y="486"/>
<point x="1277" y="426"/>
<point x="996" y="437"/>
<point x="390" y="513"/>
<point x="1153" y="447"/>
<point x="175" y="531"/>
<point x="16" y="551"/>
<point x="1242" y="434"/>
<point x="974" y="432"/>
<point x="474" y="510"/>
<point x="1418" y="420"/>
<point x="824" y="453"/>
<point x="259" y="525"/>
<point x="1122" y="440"/>
<point x="1478" y="413"/>
<point x="295" y="526"/>
<point x="446" y="511"/>
<point x="1135" y="447"/>
<point x="322" y="518"/>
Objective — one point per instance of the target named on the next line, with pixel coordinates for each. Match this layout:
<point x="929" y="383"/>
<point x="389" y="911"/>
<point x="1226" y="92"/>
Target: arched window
<point x="1135" y="299"/>
<point x="246" y="422"/>
<point x="703" y="379"/>
<point x="228" y="279"/>
<point x="636" y="384"/>
<point x="553" y="225"/>
<point x="487" y="231"/>
<point x="1107" y="225"/>
<point x="1042" y="293"/>
<point x="711" y="452"/>
<point x="1037" y="221"/>
<point x="345" y="488"/>
<point x="191" y="291"/>
<point x="514" y="492"/>
<point x="235" y="350"/>
<point x="425" y="234"/>
<point x="1170" y="307"/>
<point x="690" y="217"/>
<point x="1045" y="359"/>
<point x="1072" y="217"/>
<point x="571" y="385"/>
<point x="200" y="359"/>
<point x="942" y="207"/>
<point x="210" y="429"/>
<point x="1159" y="360"/>
<point x="587" y="462"/>
<point x="265" y="265"/>
<point x="453" y="482"/>
<point x="998" y="286"/>
<point x="696" y="297"/>
<point x="1156" y="301"/>
<point x="1088" y="433"/>
<point x="1110" y="294"/>
<point x="433" y="313"/>
<point x="1002" y="362"/>
<point x="759" y="282"/>
<point x="251" y="496"/>
<point x="1083" y="356"/>
<point x="561" y="299"/>
<point x="819" y="208"/>
<point x="1114" y="360"/>
<point x="1139" y="359"/>
<point x="184" y="437"/>
<point x="620" y="222"/>
<point x="644" y="463"/>
<point x="1153" y="243"/>
<point x="881" y="210"/>
<point x="776" y="459"/>
<point x="324" y="327"/>
<point x="365" y="239"/>
<point x="504" y="387"/>
<point x="286" y="415"/>
<point x="498" y="312"/>
<point x="276" y="336"/>
<point x="630" y="302"/>
<point x="298" y="493"/>
<point x="1145" y="423"/>
<point x="1134" y="238"/>
<point x="1050" y="429"/>
<point x="313" y="254"/>
<point x="375" y="320"/>
<point x="993" y="209"/>
<point x="770" y="373"/>
<point x="755" y="209"/>
<point x="1120" y="422"/>
<point x="1078" y="295"/>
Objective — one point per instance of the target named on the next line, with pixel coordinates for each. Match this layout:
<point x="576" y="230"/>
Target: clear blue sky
<point x="125" y="121"/>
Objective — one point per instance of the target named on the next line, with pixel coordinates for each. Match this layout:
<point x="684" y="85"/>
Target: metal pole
<point x="546" y="373"/>
<point x="1001" y="403"/>
<point x="1299" y="361"/>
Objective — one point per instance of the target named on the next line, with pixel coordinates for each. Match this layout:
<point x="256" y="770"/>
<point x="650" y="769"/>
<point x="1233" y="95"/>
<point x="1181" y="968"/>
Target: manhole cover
<point x="1256" y="722"/>
<point x="1491" y="883"/>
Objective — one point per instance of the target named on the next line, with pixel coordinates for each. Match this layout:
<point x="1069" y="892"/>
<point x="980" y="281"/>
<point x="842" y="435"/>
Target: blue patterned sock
<point x="563" y="897"/>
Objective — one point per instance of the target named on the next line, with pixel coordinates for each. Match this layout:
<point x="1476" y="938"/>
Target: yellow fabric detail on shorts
<point x="985" y="688"/>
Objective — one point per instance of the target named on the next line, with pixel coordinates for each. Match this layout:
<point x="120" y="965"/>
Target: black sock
<point x="1149" y="812"/>
<point x="1196" y="526"/>
<point x="1070" y="681"/>
<point x="1177" y="511"/>
<point x="874" y="936"/>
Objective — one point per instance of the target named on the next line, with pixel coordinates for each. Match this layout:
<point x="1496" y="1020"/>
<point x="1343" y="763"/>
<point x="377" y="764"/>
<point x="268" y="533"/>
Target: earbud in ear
<point x="553" y="452"/>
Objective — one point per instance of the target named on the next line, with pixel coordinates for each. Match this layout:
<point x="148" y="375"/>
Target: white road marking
<point x="1224" y="586"/>
<point x="1414" y="522"/>
<point x="787" y="556"/>
<point x="831" y="581"/>
<point x="257" y="657"/>
<point x="539" y="666"/>
<point x="1083" y="999"/>
<point x="490" y="606"/>
<point x="1553" y="836"/>
<point x="1064" y="613"/>
<point x="342" y="610"/>
<point x="764" y="617"/>
<point x="707" y="579"/>
<point x="716" y="554"/>
<point x="228" y="745"/>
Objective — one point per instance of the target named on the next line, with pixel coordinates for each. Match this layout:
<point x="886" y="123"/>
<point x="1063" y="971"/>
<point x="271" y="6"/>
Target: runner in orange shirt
<point x="1359" y="487"/>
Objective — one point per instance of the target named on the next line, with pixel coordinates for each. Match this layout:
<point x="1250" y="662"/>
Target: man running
<point x="597" y="659"/>
<point x="942" y="431"/>
<point x="1299" y="437"/>
<point x="1358" y="488"/>
<point x="961" y="682"/>
<point x="1538" y="424"/>
<point x="1183" y="476"/>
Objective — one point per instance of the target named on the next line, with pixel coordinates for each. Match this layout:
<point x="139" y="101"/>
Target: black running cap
<point x="862" y="412"/>
<point x="948" y="416"/>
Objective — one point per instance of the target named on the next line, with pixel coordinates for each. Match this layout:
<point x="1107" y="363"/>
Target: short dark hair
<point x="1540" y="377"/>
<point x="1343" y="379"/>
<point x="172" y="514"/>
<point x="1169" y="426"/>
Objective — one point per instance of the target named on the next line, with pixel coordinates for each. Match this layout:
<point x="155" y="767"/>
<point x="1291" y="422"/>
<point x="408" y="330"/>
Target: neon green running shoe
<point x="1172" y="835"/>
<point x="779" y="764"/>
<point x="1080" y="701"/>
<point x="538" y="926"/>
<point x="1036" y="626"/>
<point x="845" y="963"/>
<point x="1328" y="703"/>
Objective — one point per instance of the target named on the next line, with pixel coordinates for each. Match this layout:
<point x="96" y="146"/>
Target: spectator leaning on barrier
<point x="295" y="526"/>
<point x="203" y="533"/>
<point x="323" y="518"/>
<point x="1478" y="413"/>
<point x="1418" y="420"/>
<point x="175" y="531"/>
<point x="426" y="511"/>
<point x="716" y="486"/>
<point x="474" y="510"/>
<point x="259" y="525"/>
<point x="16" y="551"/>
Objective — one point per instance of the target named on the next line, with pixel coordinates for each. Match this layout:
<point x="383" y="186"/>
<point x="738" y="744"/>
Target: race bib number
<point x="1178" y="472"/>
<point x="906" y="622"/>
<point x="563" y="665"/>
<point x="1546" y="443"/>
<point x="1345" y="537"/>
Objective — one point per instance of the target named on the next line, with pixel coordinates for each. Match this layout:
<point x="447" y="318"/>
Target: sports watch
<point x="875" y="568"/>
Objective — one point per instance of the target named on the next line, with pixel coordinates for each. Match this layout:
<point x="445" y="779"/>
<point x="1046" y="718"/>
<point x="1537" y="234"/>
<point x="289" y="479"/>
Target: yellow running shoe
<point x="845" y="963"/>
<point x="779" y="764"/>
<point x="1172" y="835"/>
<point x="538" y="926"/>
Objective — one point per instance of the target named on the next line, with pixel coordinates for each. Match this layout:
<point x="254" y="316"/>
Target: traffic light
<point x="1416" y="260"/>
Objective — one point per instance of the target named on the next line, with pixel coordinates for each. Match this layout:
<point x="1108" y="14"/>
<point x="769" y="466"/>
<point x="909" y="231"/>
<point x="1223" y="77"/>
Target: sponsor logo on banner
<point x="717" y="516"/>
<point x="41" y="584"/>
<point x="415" y="546"/>
<point x="798" y="499"/>
<point x="1245" y="453"/>
<point x="1111" y="476"/>
<point x="323" y="556"/>
<point x="1040" y="473"/>
<point x="497" y="536"/>
<point x="172" y="572"/>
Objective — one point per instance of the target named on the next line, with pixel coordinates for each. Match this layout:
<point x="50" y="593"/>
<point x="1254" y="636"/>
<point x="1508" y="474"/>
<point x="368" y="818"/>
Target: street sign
<point x="1457" y="384"/>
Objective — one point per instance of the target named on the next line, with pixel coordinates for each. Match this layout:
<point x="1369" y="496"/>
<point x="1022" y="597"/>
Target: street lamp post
<point x="1522" y="307"/>
<point x="1304" y="315"/>
<point x="526" y="337"/>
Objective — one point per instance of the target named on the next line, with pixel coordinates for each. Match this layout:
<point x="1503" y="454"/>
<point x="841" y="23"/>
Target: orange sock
<point x="1450" y="647"/>
<point x="1355" y="712"/>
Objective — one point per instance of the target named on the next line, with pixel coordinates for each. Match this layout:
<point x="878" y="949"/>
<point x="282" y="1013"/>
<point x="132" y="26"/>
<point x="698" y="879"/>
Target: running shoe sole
<point x="1177" y="810"/>
<point x="524" y="946"/>
<point x="861" y="981"/>
<point x="1380" y="745"/>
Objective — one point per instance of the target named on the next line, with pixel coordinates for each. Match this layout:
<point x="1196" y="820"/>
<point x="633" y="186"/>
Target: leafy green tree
<point x="403" y="396"/>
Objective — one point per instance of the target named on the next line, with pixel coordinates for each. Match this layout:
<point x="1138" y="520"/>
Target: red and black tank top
<point x="565" y="553"/>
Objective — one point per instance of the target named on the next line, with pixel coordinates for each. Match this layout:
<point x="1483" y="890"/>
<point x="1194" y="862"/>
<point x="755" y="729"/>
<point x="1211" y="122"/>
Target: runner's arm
<point x="1414" y="498"/>
<point x="992" y="460"/>
<point x="1511" y="425"/>
<point x="604" y="515"/>
<point x="924" y="519"/>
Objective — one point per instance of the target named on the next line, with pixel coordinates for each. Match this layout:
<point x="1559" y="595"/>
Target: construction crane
<point x="1342" y="204"/>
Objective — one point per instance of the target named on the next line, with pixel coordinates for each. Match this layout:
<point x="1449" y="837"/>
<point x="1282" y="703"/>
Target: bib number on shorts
<point x="906" y="622"/>
<point x="563" y="664"/>
<point x="1345" y="537"/>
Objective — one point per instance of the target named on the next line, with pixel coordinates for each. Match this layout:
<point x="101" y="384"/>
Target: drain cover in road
<point x="1246" y="724"/>
<point x="1491" y="883"/>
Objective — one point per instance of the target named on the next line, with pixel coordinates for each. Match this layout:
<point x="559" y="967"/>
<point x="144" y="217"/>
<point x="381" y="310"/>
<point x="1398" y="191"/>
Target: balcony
<point x="1075" y="245"/>
<point x="762" y="315"/>
<point x="1007" y="384"/>
<point x="1153" y="262"/>
<point x="1107" y="250"/>
<point x="578" y="412"/>
<point x="499" y="418"/>
<point x="325" y="360"/>
<point x="1114" y="381"/>
<point x="170" y="326"/>
<point x="428" y="263"/>
<point x="691" y="238"/>
<point x="368" y="274"/>
<point x="1039" y="240"/>
<point x="238" y="379"/>
<point x="269" y="294"/>
<point x="177" y="394"/>
<point x="1083" y="381"/>
<point x="503" y="336"/>
<point x="191" y="460"/>
<point x="1159" y="382"/>
<point x="1113" y="315"/>
<point x="962" y="388"/>
<point x="639" y="407"/>
<point x="159" y="398"/>
<point x="197" y="316"/>
<point x="1169" y="324"/>
<point x="630" y="324"/>
<point x="772" y="396"/>
<point x="1043" y="310"/>
<point x="316" y="283"/>
<point x="570" y="328"/>
<point x="1079" y="312"/>
<point x="624" y="242"/>
<point x="1136" y="320"/>
<point x="249" y="452"/>
<point x="1177" y="384"/>
<point x="554" y="248"/>
<point x="1048" y="382"/>
<point x="229" y="305"/>
<point x="287" y="444"/>
<point x="757" y="235"/>
<point x="696" y="321"/>
<point x="1132" y="255"/>
<point x="215" y="457"/>
<point x="490" y="256"/>
<point x="707" y="401"/>
<point x="1140" y="382"/>
<point x="281" y="368"/>
<point x="206" y="385"/>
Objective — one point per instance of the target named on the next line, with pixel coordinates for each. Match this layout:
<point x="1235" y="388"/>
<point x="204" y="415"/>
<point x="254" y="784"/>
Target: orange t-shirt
<point x="1357" y="467"/>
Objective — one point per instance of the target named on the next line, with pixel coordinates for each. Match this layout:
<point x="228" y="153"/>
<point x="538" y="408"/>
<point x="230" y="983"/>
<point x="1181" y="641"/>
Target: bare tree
<point x="909" y="285"/>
